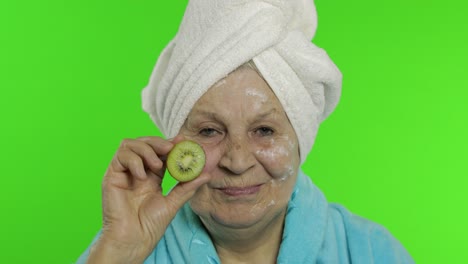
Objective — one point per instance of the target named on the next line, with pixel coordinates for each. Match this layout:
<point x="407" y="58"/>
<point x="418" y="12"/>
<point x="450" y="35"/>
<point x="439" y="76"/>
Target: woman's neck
<point x="256" y="244"/>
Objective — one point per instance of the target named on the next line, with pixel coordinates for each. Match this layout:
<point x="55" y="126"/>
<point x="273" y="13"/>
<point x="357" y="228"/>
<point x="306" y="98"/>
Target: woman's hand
<point x="135" y="212"/>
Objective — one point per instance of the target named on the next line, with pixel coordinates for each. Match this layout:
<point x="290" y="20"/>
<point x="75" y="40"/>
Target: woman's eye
<point x="208" y="132"/>
<point x="264" y="131"/>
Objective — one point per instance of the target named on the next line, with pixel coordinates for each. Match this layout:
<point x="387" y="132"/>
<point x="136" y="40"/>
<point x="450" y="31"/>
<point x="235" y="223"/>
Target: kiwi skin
<point x="186" y="161"/>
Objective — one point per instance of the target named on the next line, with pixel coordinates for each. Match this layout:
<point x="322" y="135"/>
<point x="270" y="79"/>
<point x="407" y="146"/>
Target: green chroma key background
<point x="394" y="151"/>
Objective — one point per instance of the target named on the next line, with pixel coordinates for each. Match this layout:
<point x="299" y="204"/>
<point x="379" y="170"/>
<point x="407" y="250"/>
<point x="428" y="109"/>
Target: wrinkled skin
<point x="241" y="197"/>
<point x="249" y="142"/>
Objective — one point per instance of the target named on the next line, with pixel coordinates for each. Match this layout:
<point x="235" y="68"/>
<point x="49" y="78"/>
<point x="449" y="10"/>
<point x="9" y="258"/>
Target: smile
<point x="241" y="191"/>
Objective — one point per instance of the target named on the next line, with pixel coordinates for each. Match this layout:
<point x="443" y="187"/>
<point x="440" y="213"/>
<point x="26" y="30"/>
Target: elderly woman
<point x="243" y="80"/>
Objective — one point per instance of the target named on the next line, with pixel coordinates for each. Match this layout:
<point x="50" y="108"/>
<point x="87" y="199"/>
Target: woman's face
<point x="251" y="152"/>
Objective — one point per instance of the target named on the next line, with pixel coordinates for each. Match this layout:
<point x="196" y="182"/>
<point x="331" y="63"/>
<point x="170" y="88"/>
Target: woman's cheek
<point x="212" y="158"/>
<point x="278" y="159"/>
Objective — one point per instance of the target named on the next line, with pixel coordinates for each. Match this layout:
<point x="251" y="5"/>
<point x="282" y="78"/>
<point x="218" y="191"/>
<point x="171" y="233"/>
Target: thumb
<point x="183" y="191"/>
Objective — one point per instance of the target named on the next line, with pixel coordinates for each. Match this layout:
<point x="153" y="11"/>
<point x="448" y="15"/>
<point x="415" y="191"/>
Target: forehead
<point x="241" y="89"/>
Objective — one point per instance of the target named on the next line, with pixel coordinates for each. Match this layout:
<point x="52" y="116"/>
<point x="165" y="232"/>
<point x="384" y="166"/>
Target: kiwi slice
<point x="186" y="160"/>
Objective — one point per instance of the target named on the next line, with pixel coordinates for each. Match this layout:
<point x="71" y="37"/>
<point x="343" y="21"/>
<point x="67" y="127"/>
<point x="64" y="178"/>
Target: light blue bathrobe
<point x="315" y="232"/>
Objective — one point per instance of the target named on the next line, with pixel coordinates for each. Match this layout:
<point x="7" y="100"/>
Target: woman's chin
<point x="237" y="220"/>
<point x="238" y="208"/>
<point x="243" y="216"/>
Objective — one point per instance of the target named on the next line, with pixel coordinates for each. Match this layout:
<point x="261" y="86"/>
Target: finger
<point x="155" y="180"/>
<point x="178" y="139"/>
<point x="159" y="145"/>
<point x="147" y="153"/>
<point x="127" y="160"/>
<point x="183" y="191"/>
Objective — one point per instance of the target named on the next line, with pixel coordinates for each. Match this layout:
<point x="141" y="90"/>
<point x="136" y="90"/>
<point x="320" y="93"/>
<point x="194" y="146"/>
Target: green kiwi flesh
<point x="186" y="161"/>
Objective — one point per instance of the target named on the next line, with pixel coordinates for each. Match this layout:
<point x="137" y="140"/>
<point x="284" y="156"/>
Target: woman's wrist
<point x="108" y="251"/>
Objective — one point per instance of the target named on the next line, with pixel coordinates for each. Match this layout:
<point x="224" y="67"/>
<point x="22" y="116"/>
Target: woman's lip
<point x="240" y="191"/>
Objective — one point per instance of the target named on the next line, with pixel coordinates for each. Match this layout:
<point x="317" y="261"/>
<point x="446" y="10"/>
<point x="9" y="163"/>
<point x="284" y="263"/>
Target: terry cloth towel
<point x="216" y="37"/>
<point x="315" y="232"/>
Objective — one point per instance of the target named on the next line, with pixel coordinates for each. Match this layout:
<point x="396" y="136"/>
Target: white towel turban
<point x="216" y="37"/>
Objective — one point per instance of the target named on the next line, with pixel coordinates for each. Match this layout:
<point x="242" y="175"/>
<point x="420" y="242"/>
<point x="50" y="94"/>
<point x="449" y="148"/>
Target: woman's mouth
<point x="240" y="191"/>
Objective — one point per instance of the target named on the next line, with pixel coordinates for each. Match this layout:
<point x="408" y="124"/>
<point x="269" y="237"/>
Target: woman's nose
<point x="237" y="157"/>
